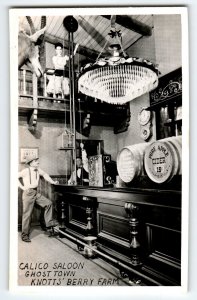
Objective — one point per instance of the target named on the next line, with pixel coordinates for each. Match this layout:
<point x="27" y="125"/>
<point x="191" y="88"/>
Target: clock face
<point x="144" y="116"/>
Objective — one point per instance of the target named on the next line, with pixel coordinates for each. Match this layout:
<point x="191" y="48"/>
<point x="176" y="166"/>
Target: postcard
<point x="100" y="151"/>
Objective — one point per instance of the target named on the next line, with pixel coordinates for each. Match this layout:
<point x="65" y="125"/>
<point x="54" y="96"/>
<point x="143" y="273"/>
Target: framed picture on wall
<point x="26" y="152"/>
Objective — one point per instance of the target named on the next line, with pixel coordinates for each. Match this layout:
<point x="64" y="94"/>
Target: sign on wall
<point x="27" y="152"/>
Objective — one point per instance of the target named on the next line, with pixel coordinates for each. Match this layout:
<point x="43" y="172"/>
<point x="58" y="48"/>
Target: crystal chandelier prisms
<point x="118" y="79"/>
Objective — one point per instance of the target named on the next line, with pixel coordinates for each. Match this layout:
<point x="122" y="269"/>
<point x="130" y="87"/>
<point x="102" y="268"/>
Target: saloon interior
<point x="123" y="109"/>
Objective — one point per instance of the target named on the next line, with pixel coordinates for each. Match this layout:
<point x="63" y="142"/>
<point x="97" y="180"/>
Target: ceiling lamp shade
<point x="118" y="79"/>
<point x="118" y="82"/>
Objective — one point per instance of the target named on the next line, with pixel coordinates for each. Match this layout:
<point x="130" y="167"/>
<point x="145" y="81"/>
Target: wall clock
<point x="144" y="116"/>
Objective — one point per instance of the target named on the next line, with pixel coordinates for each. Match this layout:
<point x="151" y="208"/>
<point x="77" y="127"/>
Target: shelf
<point x="101" y="114"/>
<point x="98" y="113"/>
<point x="66" y="148"/>
<point x="53" y="113"/>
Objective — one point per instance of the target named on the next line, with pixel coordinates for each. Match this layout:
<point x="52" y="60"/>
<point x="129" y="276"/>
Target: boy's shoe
<point x="26" y="239"/>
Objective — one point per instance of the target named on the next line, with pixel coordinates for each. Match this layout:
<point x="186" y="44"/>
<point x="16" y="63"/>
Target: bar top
<point x="145" y="196"/>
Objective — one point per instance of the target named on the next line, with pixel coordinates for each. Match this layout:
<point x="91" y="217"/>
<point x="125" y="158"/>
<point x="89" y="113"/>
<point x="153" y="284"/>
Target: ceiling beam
<point x="132" y="24"/>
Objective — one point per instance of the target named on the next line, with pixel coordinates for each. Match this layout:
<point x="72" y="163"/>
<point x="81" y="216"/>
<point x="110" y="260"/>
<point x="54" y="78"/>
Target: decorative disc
<point x="145" y="132"/>
<point x="144" y="116"/>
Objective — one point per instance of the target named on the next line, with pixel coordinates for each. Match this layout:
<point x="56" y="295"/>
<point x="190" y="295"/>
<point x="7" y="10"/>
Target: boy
<point x="30" y="178"/>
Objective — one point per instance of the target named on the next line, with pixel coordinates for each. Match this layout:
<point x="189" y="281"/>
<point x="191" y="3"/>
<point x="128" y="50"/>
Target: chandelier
<point x="118" y="79"/>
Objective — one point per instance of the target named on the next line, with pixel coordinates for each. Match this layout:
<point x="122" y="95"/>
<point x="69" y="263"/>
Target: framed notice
<point x="26" y="152"/>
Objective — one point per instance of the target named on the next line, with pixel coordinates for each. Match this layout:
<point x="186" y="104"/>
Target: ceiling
<point x="92" y="33"/>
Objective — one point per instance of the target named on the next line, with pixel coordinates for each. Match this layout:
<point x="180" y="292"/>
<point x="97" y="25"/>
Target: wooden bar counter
<point x="140" y="228"/>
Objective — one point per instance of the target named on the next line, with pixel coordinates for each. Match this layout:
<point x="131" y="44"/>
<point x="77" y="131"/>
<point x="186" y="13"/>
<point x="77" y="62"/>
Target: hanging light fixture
<point x="117" y="79"/>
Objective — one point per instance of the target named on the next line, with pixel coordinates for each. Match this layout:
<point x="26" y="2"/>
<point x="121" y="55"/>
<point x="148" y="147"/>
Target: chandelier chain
<point x="101" y="51"/>
<point x="124" y="53"/>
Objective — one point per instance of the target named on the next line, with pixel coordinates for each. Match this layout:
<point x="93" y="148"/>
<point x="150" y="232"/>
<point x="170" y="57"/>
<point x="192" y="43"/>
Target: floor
<point x="54" y="261"/>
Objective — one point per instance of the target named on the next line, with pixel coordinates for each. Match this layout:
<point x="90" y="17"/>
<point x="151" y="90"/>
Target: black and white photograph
<point x="100" y="148"/>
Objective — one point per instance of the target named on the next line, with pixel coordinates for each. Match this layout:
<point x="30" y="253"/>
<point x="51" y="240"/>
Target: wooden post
<point x="33" y="120"/>
<point x="24" y="82"/>
<point x="71" y="25"/>
<point x="35" y="91"/>
<point x="34" y="115"/>
<point x="45" y="85"/>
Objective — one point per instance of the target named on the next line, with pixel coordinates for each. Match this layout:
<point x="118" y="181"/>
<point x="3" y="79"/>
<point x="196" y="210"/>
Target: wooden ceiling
<point x="92" y="34"/>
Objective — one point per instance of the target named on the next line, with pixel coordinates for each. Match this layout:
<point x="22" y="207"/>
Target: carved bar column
<point x="89" y="210"/>
<point x="132" y="211"/>
<point x="61" y="213"/>
<point x="89" y="239"/>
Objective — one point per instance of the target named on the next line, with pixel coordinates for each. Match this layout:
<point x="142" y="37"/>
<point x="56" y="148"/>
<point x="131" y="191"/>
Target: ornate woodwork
<point x="139" y="228"/>
<point x="170" y="87"/>
<point x="166" y="101"/>
<point x="89" y="211"/>
<point x="33" y="120"/>
<point x="131" y="210"/>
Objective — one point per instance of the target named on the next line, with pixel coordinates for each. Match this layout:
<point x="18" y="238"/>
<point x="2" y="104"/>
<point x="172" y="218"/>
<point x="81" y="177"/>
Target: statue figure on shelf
<point x="82" y="176"/>
<point x="58" y="85"/>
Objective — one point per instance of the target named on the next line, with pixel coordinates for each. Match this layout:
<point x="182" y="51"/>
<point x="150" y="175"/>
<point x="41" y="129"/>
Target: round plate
<point x="145" y="133"/>
<point x="144" y="116"/>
